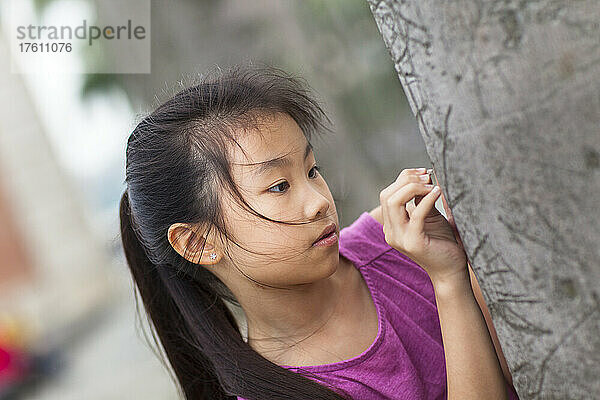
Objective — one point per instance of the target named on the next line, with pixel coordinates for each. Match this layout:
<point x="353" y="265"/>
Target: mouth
<point x="327" y="232"/>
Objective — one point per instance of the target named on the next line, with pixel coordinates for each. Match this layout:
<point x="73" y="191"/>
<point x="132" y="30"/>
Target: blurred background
<point x="68" y="325"/>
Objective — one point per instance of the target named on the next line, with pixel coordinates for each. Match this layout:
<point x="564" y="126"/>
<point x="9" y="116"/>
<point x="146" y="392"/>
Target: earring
<point x="213" y="256"/>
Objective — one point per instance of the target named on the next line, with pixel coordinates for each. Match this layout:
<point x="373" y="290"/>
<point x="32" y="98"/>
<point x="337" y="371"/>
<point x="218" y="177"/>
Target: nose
<point x="316" y="203"/>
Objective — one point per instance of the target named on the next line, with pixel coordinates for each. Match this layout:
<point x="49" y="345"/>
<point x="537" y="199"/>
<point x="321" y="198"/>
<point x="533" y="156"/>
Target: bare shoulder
<point x="376" y="213"/>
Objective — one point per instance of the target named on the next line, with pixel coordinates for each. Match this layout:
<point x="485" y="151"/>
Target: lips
<point x="328" y="230"/>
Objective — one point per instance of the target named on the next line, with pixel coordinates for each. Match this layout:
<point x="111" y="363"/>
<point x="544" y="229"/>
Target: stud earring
<point x="213" y="256"/>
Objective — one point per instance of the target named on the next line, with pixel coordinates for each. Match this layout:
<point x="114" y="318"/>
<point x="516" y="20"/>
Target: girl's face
<point x="283" y="184"/>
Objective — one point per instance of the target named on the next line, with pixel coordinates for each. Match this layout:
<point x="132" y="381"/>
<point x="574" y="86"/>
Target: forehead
<point x="276" y="136"/>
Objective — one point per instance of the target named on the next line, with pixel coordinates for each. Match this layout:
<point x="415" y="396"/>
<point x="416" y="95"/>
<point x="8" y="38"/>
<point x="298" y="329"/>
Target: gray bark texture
<point x="507" y="98"/>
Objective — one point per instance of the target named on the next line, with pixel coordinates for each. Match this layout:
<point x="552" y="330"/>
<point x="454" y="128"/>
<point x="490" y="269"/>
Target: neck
<point x="279" y="319"/>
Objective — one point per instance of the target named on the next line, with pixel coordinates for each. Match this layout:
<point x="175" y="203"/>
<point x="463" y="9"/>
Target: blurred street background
<point x="68" y="326"/>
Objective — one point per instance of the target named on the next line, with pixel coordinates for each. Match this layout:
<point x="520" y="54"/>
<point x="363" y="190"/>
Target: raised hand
<point x="420" y="231"/>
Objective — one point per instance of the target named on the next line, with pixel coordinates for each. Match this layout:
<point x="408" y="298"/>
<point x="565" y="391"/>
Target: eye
<point x="282" y="186"/>
<point x="316" y="168"/>
<point x="279" y="185"/>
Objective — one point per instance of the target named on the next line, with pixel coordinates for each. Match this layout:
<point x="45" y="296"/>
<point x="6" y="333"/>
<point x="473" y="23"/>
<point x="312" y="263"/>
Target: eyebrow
<point x="265" y="166"/>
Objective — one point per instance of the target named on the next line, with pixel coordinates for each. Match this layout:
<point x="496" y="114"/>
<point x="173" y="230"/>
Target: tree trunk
<point x="507" y="98"/>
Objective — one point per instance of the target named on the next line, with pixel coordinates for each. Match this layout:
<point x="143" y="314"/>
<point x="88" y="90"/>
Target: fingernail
<point x="424" y="178"/>
<point x="421" y="169"/>
<point x="436" y="189"/>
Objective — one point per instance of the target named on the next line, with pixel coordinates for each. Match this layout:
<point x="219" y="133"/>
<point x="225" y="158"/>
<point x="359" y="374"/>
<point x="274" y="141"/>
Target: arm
<point x="471" y="345"/>
<point x="472" y="366"/>
<point x="490" y="325"/>
<point x="377" y="214"/>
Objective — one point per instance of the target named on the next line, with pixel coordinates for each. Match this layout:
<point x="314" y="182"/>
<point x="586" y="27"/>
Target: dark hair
<point x="176" y="161"/>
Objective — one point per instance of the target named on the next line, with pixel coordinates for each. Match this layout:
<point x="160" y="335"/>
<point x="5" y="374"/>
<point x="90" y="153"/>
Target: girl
<point x="225" y="206"/>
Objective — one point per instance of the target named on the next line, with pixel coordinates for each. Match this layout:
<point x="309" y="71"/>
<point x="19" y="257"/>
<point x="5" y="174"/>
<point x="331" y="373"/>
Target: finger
<point x="426" y="178"/>
<point x="424" y="208"/>
<point x="396" y="209"/>
<point x="408" y="171"/>
<point x="405" y="177"/>
<point x="410" y="207"/>
<point x="396" y="203"/>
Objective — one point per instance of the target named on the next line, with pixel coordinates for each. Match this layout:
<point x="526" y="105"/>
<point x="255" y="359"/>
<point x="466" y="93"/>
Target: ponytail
<point x="167" y="321"/>
<point x="201" y="337"/>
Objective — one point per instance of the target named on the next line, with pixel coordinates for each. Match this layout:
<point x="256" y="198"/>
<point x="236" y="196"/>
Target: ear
<point x="188" y="242"/>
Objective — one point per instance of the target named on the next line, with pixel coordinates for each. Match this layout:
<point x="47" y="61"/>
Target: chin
<point x="322" y="269"/>
<point x="332" y="263"/>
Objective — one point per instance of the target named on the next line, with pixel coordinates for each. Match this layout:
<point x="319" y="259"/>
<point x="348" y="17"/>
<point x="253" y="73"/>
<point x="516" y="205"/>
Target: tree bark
<point x="507" y="98"/>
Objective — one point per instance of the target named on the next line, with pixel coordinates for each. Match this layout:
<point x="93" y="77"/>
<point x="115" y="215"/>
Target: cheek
<point x="273" y="243"/>
<point x="260" y="242"/>
<point x="326" y="191"/>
